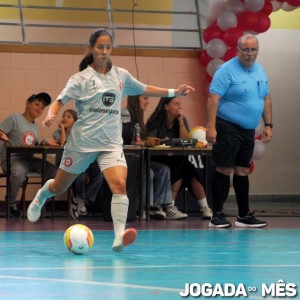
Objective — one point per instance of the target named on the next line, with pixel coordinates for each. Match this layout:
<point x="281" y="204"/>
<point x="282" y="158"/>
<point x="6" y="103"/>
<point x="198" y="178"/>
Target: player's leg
<point x="51" y="188"/>
<point x="72" y="164"/>
<point x="116" y="176"/>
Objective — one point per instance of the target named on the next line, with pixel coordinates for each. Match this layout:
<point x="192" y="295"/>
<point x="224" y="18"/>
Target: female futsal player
<point x="98" y="90"/>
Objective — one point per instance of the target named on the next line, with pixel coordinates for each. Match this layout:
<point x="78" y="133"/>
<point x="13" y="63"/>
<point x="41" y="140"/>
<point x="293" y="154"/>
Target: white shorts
<point x="77" y="162"/>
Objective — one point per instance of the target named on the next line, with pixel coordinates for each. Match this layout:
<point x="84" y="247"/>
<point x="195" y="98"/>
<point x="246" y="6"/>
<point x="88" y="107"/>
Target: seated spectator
<point x="161" y="202"/>
<point x="86" y="186"/>
<point x="166" y="122"/>
<point x="22" y="130"/>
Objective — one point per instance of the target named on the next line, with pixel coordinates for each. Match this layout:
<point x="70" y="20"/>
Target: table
<point x="183" y="151"/>
<point x="140" y="152"/>
<point x="43" y="150"/>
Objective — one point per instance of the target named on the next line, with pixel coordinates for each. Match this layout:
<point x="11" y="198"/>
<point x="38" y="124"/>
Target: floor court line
<point x="130" y="286"/>
<point x="145" y="287"/>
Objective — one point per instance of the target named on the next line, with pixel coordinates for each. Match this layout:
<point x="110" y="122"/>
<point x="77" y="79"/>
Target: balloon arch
<point x="237" y="17"/>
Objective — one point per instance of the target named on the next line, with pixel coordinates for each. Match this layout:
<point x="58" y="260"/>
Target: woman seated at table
<point x="87" y="185"/>
<point x="161" y="201"/>
<point x="166" y="122"/>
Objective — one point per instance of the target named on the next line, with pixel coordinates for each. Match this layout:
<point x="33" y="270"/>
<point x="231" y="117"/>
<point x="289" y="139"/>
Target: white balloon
<point x="254" y="5"/>
<point x="213" y="65"/>
<point x="276" y="5"/>
<point x="287" y="7"/>
<point x="226" y="20"/>
<point x="259" y="150"/>
<point x="214" y="9"/>
<point x="235" y="6"/>
<point x="216" y="48"/>
<point x="259" y="129"/>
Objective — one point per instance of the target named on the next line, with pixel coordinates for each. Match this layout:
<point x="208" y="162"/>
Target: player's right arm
<point x="52" y="112"/>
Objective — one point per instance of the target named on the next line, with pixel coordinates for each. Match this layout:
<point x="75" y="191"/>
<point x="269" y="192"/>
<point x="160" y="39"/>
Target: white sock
<point x="44" y="193"/>
<point x="202" y="202"/>
<point x="119" y="210"/>
<point x="169" y="205"/>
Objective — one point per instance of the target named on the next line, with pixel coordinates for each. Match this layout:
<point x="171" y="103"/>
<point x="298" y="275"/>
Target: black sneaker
<point x="250" y="221"/>
<point x="157" y="213"/>
<point x="218" y="221"/>
<point x="15" y="211"/>
<point x="74" y="209"/>
<point x="77" y="208"/>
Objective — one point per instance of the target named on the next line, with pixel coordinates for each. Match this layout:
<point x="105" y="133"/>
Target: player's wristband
<point x="171" y="93"/>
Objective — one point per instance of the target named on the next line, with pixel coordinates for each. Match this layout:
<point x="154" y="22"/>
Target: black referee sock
<point x="241" y="188"/>
<point x="220" y="190"/>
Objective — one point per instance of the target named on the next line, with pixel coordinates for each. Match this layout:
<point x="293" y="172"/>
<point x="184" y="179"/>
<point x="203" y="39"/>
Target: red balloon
<point x="263" y="23"/>
<point x="267" y="9"/>
<point x="293" y="2"/>
<point x="232" y="35"/>
<point x="251" y="166"/>
<point x="204" y="58"/>
<point x="259" y="137"/>
<point x="208" y="78"/>
<point x="230" y="53"/>
<point x="281" y="1"/>
<point x="212" y="32"/>
<point x="247" y="20"/>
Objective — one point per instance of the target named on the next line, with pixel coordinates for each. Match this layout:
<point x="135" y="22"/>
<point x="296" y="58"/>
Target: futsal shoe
<point x="250" y="222"/>
<point x="34" y="209"/>
<point x="126" y="239"/>
<point x="219" y="221"/>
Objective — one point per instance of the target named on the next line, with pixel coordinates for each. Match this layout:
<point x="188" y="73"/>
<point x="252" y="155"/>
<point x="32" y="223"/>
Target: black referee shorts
<point x="234" y="145"/>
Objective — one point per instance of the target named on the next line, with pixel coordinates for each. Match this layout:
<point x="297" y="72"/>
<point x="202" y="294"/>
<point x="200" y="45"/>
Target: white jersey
<point x="98" y="100"/>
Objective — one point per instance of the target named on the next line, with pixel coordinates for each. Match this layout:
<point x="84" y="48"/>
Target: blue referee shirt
<point x="241" y="92"/>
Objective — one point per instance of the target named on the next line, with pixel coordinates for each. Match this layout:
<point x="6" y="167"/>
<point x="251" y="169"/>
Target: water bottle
<point x="137" y="135"/>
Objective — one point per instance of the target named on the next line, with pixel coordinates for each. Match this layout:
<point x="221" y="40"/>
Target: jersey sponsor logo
<point x="104" y="111"/>
<point x="108" y="99"/>
<point x="28" y="139"/>
<point x="68" y="161"/>
<point x="121" y="86"/>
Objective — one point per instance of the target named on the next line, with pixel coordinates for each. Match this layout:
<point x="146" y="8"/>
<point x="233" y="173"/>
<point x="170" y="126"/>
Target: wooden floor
<point x="34" y="263"/>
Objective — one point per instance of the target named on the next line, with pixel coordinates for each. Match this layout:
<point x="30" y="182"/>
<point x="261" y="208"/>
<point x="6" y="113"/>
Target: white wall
<point x="278" y="171"/>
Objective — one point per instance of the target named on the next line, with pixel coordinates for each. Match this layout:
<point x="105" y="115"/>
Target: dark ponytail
<point x="87" y="60"/>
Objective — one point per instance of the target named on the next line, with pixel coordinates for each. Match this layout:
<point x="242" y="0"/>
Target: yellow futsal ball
<point x="79" y="239"/>
<point x="199" y="133"/>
